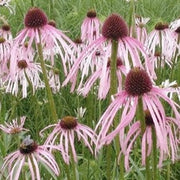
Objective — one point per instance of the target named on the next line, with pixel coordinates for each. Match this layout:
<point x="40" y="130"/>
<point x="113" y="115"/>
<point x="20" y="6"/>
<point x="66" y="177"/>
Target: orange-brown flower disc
<point x="68" y="122"/>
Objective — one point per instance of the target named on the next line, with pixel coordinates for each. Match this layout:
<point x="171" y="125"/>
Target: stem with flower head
<point x="113" y="90"/>
<point x="48" y="89"/>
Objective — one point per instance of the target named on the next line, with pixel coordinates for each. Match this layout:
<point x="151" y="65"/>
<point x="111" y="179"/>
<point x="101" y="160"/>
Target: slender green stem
<point x="113" y="90"/>
<point x="140" y="115"/>
<point x="67" y="171"/>
<point x="132" y="18"/>
<point x="90" y="106"/>
<point x="148" y="172"/>
<point x="168" y="171"/>
<point x="73" y="167"/>
<point x="48" y="89"/>
<point x="113" y="67"/>
<point x="154" y="154"/>
<point x="121" y="164"/>
<point x="172" y="73"/>
<point x="32" y="3"/>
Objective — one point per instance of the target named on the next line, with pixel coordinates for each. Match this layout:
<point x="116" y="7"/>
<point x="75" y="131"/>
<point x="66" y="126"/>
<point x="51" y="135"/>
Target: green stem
<point x="48" y="89"/>
<point x="140" y="115"/>
<point x="113" y="90"/>
<point x="90" y="106"/>
<point x="159" y="63"/>
<point x="113" y="67"/>
<point x="67" y="171"/>
<point x="168" y="171"/>
<point x="73" y="167"/>
<point x="32" y="3"/>
<point x="132" y="18"/>
<point x="50" y="8"/>
<point x="154" y="153"/>
<point x="148" y="172"/>
<point x="121" y="164"/>
<point x="172" y="73"/>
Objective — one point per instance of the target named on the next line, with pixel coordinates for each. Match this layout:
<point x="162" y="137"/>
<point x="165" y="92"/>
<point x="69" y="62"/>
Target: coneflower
<point x="64" y="133"/>
<point x="32" y="154"/>
<point x="114" y="29"/>
<point x="103" y="74"/>
<point x="90" y="28"/>
<point x="139" y="89"/>
<point x="14" y="126"/>
<point x="52" y="39"/>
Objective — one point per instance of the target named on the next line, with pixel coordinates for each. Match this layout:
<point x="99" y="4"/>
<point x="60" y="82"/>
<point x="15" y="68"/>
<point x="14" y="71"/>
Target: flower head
<point x="14" y="127"/>
<point x="90" y="28"/>
<point x="114" y="28"/>
<point x="31" y="153"/>
<point x="141" y="31"/>
<point x="137" y="85"/>
<point x="35" y="18"/>
<point x="6" y="42"/>
<point x="172" y="126"/>
<point x="65" y="131"/>
<point x="103" y="74"/>
<point x="162" y="39"/>
<point x="23" y="72"/>
<point x="39" y="30"/>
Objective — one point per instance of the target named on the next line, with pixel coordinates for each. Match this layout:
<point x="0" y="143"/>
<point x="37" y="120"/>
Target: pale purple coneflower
<point x="80" y="112"/>
<point x="31" y="154"/>
<point x="172" y="128"/>
<point x="23" y="72"/>
<point x="90" y="28"/>
<point x="54" y="80"/>
<point x="138" y="85"/>
<point x="5" y="3"/>
<point x="6" y="41"/>
<point x="141" y="31"/>
<point x="114" y="28"/>
<point x="175" y="24"/>
<point x="159" y="60"/>
<point x="64" y="133"/>
<point x="172" y="89"/>
<point x="176" y="35"/>
<point x="161" y="39"/>
<point x="36" y="28"/>
<point x="103" y="74"/>
<point x="14" y="126"/>
<point x="88" y="65"/>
